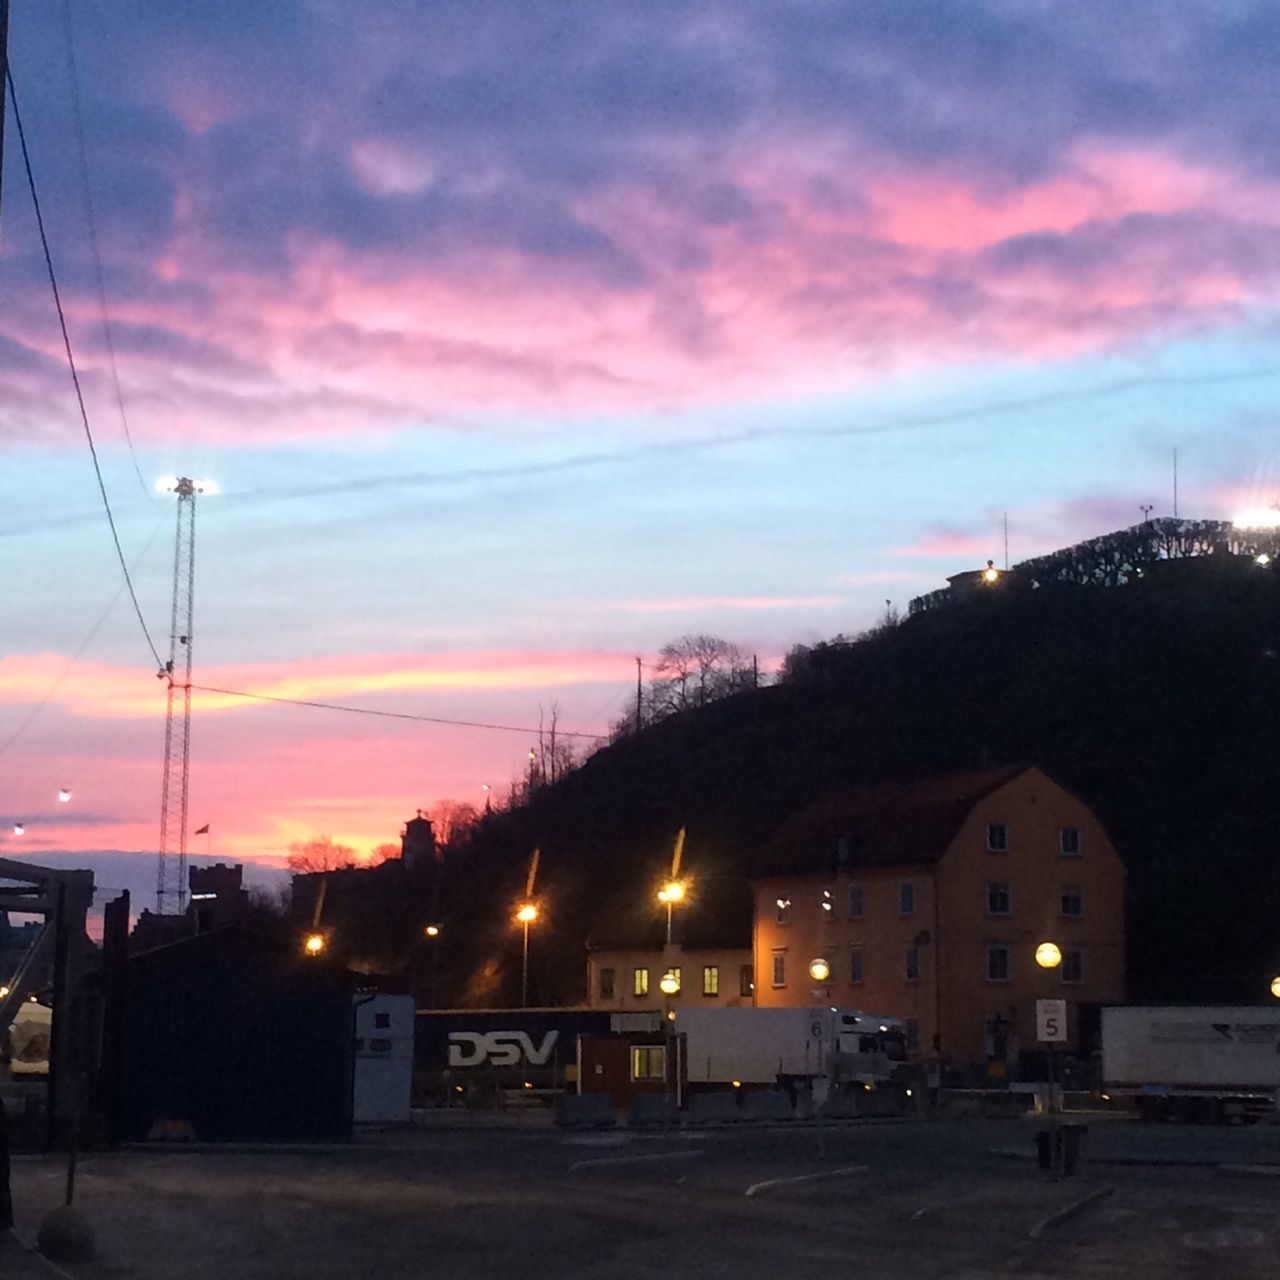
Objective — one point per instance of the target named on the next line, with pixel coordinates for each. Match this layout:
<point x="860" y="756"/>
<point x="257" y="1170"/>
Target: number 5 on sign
<point x="1051" y="1021"/>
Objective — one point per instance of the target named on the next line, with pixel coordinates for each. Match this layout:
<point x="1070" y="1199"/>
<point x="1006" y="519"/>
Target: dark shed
<point x="239" y="1037"/>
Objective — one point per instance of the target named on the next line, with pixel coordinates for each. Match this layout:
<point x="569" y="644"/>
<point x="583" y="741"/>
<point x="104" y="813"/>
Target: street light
<point x="670" y="983"/>
<point x="1048" y="955"/>
<point x="314" y="944"/>
<point x="526" y="914"/>
<point x="1275" y="987"/>
<point x="820" y="969"/>
<point x="432" y="931"/>
<point x="672" y="892"/>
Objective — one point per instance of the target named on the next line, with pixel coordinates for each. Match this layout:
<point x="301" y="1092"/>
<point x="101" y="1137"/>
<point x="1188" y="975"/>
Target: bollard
<point x="6" y="1199"/>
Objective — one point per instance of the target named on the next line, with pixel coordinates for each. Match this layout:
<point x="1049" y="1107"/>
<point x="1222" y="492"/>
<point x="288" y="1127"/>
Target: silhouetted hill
<point x="1156" y="702"/>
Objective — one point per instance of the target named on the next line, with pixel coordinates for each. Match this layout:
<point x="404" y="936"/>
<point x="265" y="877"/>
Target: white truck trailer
<point x="749" y="1046"/>
<point x="1199" y="1064"/>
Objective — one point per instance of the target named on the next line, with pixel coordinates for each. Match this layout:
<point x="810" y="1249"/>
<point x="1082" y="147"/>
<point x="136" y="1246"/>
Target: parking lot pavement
<point x="920" y="1200"/>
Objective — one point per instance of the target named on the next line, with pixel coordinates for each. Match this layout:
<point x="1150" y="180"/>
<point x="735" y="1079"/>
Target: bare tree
<point x="452" y="821"/>
<point x="320" y="854"/>
<point x="695" y="670"/>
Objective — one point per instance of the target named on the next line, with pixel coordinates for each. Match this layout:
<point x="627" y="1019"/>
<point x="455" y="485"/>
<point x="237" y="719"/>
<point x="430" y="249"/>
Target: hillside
<point x="1156" y="702"/>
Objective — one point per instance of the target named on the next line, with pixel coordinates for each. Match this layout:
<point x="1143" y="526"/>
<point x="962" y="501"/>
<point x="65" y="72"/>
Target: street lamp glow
<point x="669" y="984"/>
<point x="991" y="574"/>
<point x="672" y="891"/>
<point x="4" y="991"/>
<point x="432" y="931"/>
<point x="819" y="969"/>
<point x="314" y="944"/>
<point x="1048" y="955"/>
<point x="1275" y="987"/>
<point x="1262" y="559"/>
<point x="527" y="913"/>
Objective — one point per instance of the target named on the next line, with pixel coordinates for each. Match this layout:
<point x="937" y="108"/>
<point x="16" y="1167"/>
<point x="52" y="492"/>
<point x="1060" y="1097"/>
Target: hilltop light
<point x="19" y="828"/>
<point x="990" y="574"/>
<point x="1262" y="559"/>
<point x="64" y="795"/>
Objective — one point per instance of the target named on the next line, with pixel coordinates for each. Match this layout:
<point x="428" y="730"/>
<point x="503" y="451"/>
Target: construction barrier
<point x="585" y="1111"/>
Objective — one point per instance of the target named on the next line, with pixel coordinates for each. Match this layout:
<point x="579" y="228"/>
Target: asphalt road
<point x="917" y="1199"/>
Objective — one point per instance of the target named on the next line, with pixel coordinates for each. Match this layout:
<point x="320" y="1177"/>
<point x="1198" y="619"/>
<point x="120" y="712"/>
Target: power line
<point x="71" y="362"/>
<point x="393" y="715"/>
<point x="78" y="115"/>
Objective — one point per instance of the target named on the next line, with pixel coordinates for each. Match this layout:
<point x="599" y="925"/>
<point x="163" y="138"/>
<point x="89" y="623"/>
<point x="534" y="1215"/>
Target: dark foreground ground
<point x="913" y="1199"/>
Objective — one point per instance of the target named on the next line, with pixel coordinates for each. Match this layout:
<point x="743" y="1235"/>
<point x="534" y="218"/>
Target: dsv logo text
<point x="499" y="1048"/>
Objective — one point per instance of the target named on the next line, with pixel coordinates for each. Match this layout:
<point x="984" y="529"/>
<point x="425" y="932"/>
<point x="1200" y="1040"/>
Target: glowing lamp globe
<point x="1048" y="955"/>
<point x="1275" y="987"/>
<point x="669" y="984"/>
<point x="527" y="913"/>
<point x="820" y="969"/>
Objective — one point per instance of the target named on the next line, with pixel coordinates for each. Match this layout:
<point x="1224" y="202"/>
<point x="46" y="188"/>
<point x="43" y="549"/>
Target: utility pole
<point x="639" y="694"/>
<point x="4" y="84"/>
<point x="171" y="873"/>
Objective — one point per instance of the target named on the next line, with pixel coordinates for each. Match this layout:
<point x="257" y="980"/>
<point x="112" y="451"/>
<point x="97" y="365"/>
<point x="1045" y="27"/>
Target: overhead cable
<point x="71" y="362"/>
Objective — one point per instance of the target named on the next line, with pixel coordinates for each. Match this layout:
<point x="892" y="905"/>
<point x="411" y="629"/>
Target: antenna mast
<point x="171" y="874"/>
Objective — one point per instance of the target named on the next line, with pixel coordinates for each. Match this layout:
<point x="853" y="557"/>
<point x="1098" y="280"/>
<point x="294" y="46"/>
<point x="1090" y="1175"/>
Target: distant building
<point x="710" y="951"/>
<point x="927" y="899"/>
<point x="218" y="896"/>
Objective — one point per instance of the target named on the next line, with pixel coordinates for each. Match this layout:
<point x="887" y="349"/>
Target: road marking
<point x="612" y="1160"/>
<point x="758" y="1187"/>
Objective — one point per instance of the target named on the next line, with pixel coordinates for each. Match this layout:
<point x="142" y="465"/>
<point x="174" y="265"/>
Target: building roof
<point x="886" y="824"/>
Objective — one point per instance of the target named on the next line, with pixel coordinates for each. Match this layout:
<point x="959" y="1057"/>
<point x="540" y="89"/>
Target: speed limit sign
<point x="1051" y="1021"/>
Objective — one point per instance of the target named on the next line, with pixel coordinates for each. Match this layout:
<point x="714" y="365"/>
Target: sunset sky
<point x="522" y="336"/>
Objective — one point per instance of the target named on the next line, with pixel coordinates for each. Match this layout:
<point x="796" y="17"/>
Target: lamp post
<point x="1049" y="1029"/>
<point x="526" y="914"/>
<point x="820" y="972"/>
<point x="432" y="932"/>
<point x="672" y="892"/>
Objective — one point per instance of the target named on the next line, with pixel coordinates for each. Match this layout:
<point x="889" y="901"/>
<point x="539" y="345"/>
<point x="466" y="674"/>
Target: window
<point x="855" y="900"/>
<point x="855" y="963"/>
<point x="779" y="968"/>
<point x="999" y="898"/>
<point x="827" y="910"/>
<point x="710" y="980"/>
<point x="648" y="1062"/>
<point x="382" y="1020"/>
<point x="997" y="962"/>
<point x="746" y="980"/>
<point x="1072" y="900"/>
<point x="997" y="837"/>
<point x="640" y="982"/>
<point x="911" y="964"/>
<point x="907" y="898"/>
<point x="912" y="1027"/>
<point x="782" y="909"/>
<point x="1069" y="842"/>
<point x="1073" y="964"/>
<point x="606" y="984"/>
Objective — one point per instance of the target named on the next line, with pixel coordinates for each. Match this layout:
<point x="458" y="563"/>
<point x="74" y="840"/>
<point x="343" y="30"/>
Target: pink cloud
<point x="950" y="544"/>
<point x="749" y="603"/>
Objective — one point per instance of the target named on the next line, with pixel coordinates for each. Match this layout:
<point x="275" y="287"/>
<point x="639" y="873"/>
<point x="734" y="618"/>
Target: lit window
<point x="640" y="982"/>
<point x="648" y="1062"/>
<point x="997" y="962"/>
<point x="911" y="964"/>
<point x="1072" y="964"/>
<point x="997" y="837"/>
<point x="710" y="980"/>
<point x="907" y="898"/>
<point x="855" y="900"/>
<point x="1069" y="842"/>
<point x="1072" y="902"/>
<point x="782" y="909"/>
<point x="746" y="980"/>
<point x="999" y="898"/>
<point x="606" y="984"/>
<point x="855" y="963"/>
<point x="779" y="968"/>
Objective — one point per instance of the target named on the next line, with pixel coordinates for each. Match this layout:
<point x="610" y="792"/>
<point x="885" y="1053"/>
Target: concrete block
<point x="651" y="1111"/>
<point x="718" y="1107"/>
<point x="585" y="1111"/>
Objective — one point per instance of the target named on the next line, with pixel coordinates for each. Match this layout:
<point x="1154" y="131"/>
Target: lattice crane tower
<point x="171" y="873"/>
